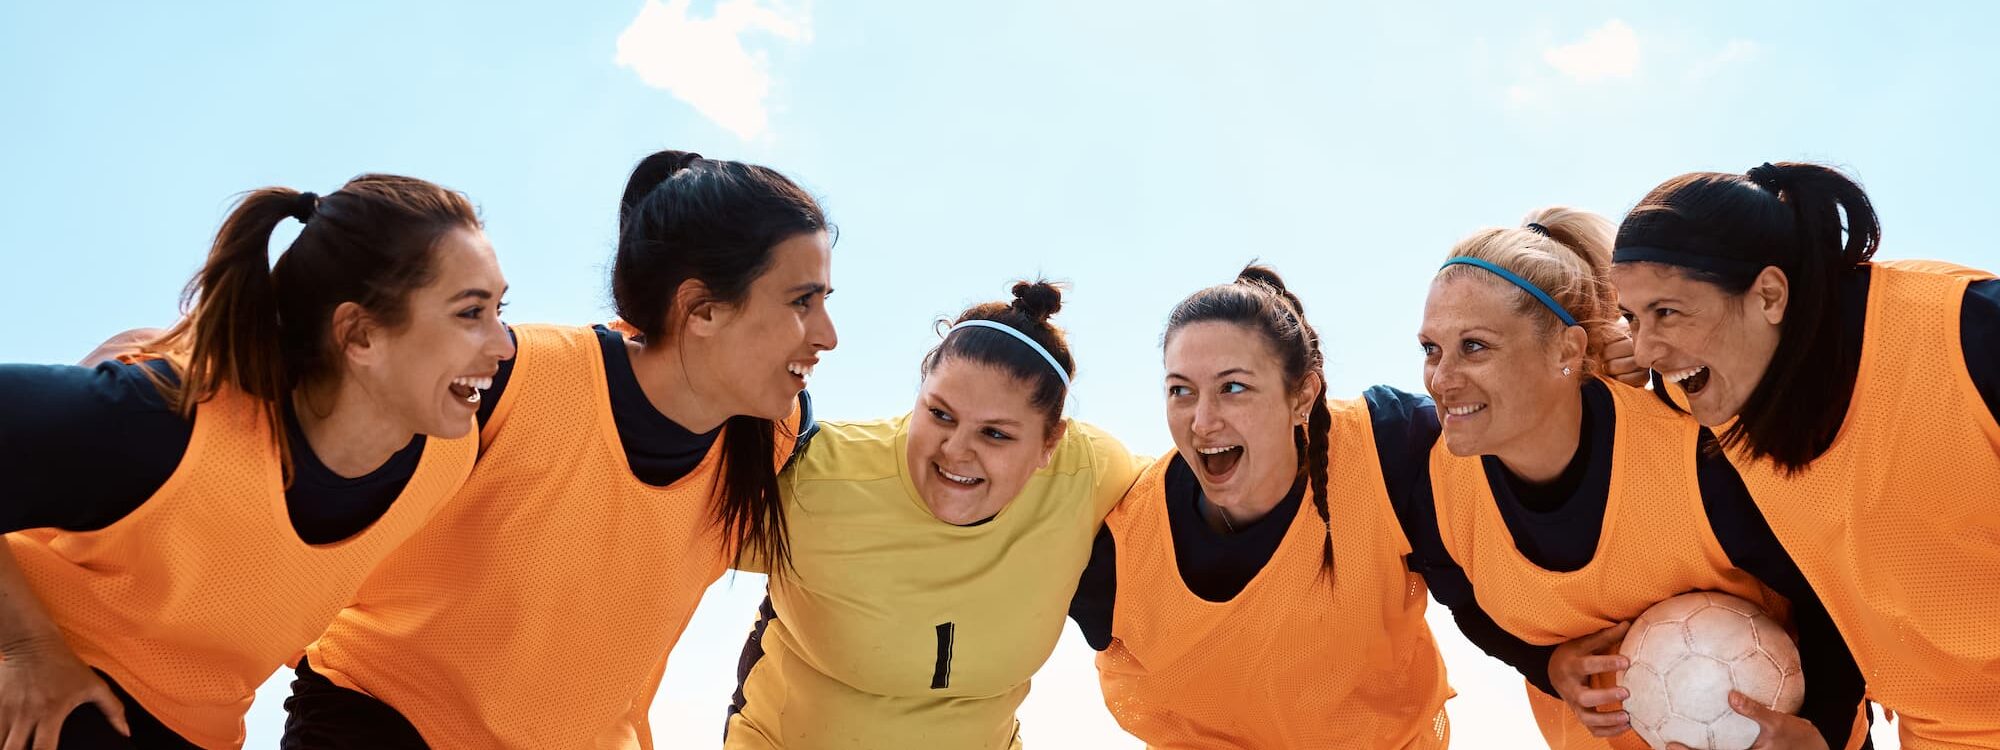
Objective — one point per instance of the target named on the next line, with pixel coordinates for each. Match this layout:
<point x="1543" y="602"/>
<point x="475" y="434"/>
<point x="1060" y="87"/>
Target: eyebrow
<point x="1655" y="304"/>
<point x="1223" y="374"/>
<point x="946" y="405"/>
<point x="478" y="293"/>
<point x="810" y="287"/>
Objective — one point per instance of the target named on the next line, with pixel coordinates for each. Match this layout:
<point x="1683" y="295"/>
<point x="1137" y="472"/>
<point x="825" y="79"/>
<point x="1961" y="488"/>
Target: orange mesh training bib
<point x="198" y="595"/>
<point x="1655" y="543"/>
<point x="1293" y="661"/>
<point x="1897" y="525"/>
<point x="538" y="610"/>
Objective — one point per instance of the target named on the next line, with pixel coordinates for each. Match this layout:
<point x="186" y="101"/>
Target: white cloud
<point x="1608" y="51"/>
<point x="1736" y="51"/>
<point x="702" y="61"/>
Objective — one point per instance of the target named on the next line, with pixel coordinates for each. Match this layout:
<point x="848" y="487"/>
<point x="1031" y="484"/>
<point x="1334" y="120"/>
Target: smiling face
<point x="975" y="440"/>
<point x="429" y="371"/>
<point x="760" y="350"/>
<point x="1231" y="414"/>
<point x="1494" y="375"/>
<point x="1714" y="344"/>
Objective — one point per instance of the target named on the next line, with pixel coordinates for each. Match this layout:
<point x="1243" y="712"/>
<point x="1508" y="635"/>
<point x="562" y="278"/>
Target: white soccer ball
<point x="1688" y="652"/>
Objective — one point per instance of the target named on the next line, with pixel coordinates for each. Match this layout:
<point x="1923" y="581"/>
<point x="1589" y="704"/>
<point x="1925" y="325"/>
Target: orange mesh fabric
<point x="1897" y="525"/>
<point x="1655" y="543"/>
<point x="1293" y="661"/>
<point x="196" y="597"/>
<point x="538" y="609"/>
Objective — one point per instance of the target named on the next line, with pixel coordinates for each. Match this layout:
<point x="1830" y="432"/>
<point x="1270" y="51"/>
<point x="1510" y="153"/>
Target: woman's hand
<point x="1570" y="668"/>
<point x="41" y="682"/>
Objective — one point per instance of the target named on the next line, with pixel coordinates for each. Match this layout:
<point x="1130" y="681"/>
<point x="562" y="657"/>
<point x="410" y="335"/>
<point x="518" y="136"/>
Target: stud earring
<point x="1565" y="372"/>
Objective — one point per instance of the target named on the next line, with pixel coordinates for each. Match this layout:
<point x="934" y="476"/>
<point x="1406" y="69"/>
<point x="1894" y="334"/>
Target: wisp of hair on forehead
<point x="1029" y="312"/>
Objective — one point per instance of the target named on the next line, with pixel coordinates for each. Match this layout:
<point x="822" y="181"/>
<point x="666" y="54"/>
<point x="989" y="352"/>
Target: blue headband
<point x="1011" y="331"/>
<point x="1531" y="289"/>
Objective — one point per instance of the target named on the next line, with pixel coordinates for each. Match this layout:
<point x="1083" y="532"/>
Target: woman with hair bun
<point x="1858" y="399"/>
<point x="1565" y="505"/>
<point x="933" y="554"/>
<point x="181" y="522"/>
<point x="618" y="477"/>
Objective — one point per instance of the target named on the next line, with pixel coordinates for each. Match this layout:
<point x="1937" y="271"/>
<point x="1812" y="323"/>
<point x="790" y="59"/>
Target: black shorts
<point x="323" y="716"/>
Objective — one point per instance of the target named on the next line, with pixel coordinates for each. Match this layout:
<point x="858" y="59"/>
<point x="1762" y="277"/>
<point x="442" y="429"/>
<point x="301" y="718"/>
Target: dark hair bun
<point x="1261" y="274"/>
<point x="1037" y="299"/>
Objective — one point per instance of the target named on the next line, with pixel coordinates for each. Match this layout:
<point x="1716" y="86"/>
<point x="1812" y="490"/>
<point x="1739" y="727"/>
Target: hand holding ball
<point x="1688" y="652"/>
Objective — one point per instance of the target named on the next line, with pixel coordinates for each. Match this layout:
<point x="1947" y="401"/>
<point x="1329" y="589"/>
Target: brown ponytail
<point x="266" y="330"/>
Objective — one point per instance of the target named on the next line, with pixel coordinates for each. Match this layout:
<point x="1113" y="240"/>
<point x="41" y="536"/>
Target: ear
<point x="699" y="313"/>
<point x="1575" y="343"/>
<point x="1055" y="439"/>
<point x="354" y="333"/>
<point x="1771" y="292"/>
<point x="1302" y="400"/>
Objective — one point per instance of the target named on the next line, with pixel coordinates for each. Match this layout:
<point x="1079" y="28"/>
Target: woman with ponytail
<point x="1562" y="505"/>
<point x="184" y="521"/>
<point x="934" y="552"/>
<point x="618" y="477"/>
<point x="1251" y="590"/>
<point x="1858" y="399"/>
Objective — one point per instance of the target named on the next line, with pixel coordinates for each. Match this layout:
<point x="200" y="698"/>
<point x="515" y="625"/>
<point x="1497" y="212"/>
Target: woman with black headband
<point x="933" y="553"/>
<point x="184" y="521"/>
<point x="1858" y="399"/>
<point x="1560" y="505"/>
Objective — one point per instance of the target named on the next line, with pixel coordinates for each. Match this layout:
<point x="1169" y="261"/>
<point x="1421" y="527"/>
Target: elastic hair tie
<point x="1011" y="331"/>
<point x="1766" y="177"/>
<point x="1531" y="289"/>
<point x="1537" y="229"/>
<point x="304" y="206"/>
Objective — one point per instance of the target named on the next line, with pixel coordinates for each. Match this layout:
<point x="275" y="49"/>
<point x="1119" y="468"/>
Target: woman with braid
<point x="1251" y="591"/>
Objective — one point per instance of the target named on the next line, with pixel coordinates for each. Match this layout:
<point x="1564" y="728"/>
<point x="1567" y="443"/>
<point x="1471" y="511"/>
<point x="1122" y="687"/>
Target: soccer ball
<point x="1688" y="652"/>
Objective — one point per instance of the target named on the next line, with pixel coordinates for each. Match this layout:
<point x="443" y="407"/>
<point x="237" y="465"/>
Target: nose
<point x="957" y="446"/>
<point x="1207" y="416"/>
<point x="499" y="340"/>
<point x="820" y="334"/>
<point x="1647" y="348"/>
<point x="1442" y="375"/>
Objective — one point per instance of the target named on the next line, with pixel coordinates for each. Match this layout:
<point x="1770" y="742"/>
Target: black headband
<point x="304" y="206"/>
<point x="1684" y="259"/>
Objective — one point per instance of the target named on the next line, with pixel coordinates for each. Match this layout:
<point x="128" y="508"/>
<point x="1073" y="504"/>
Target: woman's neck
<point x="349" y="432"/>
<point x="672" y="388"/>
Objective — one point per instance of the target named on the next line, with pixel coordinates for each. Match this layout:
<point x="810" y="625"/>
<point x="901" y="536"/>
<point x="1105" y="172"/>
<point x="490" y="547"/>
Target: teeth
<point x="1460" y="411"/>
<point x="804" y="371"/>
<point x="1680" y="375"/>
<point x="968" y="481"/>
<point x="476" y="384"/>
<point x="1217" y="451"/>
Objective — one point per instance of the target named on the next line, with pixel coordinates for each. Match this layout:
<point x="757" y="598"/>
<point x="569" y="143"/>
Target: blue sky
<point x="1139" y="150"/>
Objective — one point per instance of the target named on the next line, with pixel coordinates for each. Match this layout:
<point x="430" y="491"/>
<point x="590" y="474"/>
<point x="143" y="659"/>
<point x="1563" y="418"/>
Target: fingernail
<point x="1624" y="694"/>
<point x="1735" y="699"/>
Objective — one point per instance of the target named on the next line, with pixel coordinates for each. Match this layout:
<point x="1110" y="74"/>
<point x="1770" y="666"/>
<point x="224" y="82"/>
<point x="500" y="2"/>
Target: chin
<point x="1460" y="446"/>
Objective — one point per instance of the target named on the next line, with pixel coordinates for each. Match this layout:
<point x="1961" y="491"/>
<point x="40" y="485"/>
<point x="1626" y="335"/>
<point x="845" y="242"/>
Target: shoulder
<point x="844" y="450"/>
<point x="70" y="392"/>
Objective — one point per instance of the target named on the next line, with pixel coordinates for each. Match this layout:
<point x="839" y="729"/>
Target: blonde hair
<point x="1570" y="263"/>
